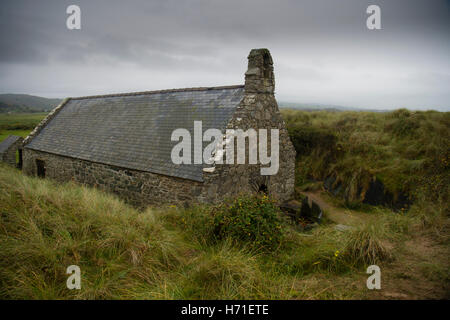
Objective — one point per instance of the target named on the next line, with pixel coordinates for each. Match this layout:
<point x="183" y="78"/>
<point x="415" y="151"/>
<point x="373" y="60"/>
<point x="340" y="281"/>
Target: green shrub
<point x="249" y="220"/>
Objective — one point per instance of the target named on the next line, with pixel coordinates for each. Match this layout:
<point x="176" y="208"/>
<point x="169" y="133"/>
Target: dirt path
<point x="337" y="215"/>
<point x="420" y="271"/>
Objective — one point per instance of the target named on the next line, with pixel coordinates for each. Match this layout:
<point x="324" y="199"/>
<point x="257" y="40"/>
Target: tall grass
<point x="47" y="227"/>
<point x="164" y="253"/>
<point x="407" y="151"/>
<point x="175" y="253"/>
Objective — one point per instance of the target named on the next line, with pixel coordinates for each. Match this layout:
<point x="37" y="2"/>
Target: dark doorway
<point x="40" y="165"/>
<point x="19" y="159"/>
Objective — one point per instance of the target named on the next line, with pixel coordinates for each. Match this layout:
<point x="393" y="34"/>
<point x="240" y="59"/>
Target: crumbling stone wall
<point x="9" y="155"/>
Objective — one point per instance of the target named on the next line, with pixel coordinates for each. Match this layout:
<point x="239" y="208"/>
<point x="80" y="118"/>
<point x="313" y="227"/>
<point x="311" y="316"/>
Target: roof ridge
<point x="158" y="91"/>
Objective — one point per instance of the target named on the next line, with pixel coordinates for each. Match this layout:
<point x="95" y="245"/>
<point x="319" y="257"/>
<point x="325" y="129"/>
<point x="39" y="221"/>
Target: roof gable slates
<point x="133" y="130"/>
<point x="10" y="140"/>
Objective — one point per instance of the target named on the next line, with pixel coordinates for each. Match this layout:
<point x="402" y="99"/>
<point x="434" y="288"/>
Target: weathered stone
<point x="8" y="150"/>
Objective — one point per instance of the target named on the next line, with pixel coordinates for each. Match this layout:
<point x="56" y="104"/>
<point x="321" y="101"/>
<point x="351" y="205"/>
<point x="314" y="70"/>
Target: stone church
<point x="122" y="143"/>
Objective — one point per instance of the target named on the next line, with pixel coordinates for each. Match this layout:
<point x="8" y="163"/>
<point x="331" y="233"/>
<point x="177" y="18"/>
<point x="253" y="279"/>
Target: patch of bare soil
<point x="420" y="271"/>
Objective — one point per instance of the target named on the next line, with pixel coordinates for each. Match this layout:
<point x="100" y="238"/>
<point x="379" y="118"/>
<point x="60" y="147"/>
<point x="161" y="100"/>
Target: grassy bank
<point x="406" y="151"/>
<point x="174" y="253"/>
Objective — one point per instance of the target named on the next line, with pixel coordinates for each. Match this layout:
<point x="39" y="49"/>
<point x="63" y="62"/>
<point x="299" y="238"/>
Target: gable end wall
<point x="257" y="111"/>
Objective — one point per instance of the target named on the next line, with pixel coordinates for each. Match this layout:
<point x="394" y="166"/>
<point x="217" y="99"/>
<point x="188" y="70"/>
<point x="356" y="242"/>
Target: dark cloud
<point x="322" y="50"/>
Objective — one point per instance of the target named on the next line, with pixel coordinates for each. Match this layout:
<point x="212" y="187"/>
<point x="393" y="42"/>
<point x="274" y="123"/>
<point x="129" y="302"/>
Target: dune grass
<point x="167" y="253"/>
<point x="407" y="151"/>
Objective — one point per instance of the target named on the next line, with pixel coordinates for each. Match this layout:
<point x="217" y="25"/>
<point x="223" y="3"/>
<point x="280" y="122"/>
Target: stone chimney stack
<point x="259" y="77"/>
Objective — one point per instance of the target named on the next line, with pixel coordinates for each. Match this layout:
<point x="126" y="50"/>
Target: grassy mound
<point x="406" y="151"/>
<point x="47" y="227"/>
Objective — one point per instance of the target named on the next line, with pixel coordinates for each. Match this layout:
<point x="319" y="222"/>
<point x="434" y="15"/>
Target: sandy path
<point x="337" y="215"/>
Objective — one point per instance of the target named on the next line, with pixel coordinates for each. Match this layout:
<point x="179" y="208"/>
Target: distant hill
<point x="324" y="107"/>
<point x="26" y="103"/>
<point x="337" y="108"/>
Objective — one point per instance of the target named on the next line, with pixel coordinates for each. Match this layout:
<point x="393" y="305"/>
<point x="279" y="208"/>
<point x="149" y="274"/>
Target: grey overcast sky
<point x="322" y="50"/>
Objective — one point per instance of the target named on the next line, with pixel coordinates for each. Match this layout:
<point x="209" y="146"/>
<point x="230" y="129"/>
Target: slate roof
<point x="5" y="144"/>
<point x="134" y="130"/>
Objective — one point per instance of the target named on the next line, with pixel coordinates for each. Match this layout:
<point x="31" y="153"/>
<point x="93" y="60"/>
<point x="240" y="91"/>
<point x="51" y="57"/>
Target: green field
<point x="247" y="248"/>
<point x="19" y="124"/>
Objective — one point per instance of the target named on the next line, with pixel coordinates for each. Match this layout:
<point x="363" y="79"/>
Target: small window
<point x="40" y="166"/>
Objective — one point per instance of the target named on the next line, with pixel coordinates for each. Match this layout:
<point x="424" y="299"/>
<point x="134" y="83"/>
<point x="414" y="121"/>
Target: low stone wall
<point x="9" y="156"/>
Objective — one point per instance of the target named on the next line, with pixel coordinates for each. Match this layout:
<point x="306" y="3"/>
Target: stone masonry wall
<point x="226" y="181"/>
<point x="136" y="187"/>
<point x="9" y="156"/>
